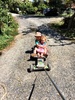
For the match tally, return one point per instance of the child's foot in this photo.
(42, 56)
(45, 55)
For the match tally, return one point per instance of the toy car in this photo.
(39, 64)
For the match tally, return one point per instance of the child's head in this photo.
(38, 36)
(43, 39)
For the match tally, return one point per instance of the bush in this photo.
(27, 8)
(41, 7)
(14, 6)
(5, 41)
(8, 28)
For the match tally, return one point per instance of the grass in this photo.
(67, 13)
(5, 41)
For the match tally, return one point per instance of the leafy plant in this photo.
(8, 28)
(5, 41)
(41, 7)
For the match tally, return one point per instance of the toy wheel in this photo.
(44, 58)
(49, 68)
(30, 69)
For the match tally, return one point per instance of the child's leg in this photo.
(35, 50)
(45, 51)
(34, 54)
(41, 55)
(38, 54)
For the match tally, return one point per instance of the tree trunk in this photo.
(70, 21)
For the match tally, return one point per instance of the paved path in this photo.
(16, 83)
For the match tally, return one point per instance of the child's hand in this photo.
(41, 46)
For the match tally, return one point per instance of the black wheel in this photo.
(44, 58)
(49, 68)
(30, 69)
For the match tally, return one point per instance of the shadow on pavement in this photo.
(45, 29)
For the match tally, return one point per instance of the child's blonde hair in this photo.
(43, 37)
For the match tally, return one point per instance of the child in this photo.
(37, 36)
(41, 48)
(37, 40)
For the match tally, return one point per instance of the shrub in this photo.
(41, 7)
(5, 41)
(8, 28)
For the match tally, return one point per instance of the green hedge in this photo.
(8, 28)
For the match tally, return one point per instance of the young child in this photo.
(38, 37)
(41, 48)
(37, 40)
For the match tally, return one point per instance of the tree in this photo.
(71, 20)
(55, 3)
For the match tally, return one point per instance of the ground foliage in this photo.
(8, 28)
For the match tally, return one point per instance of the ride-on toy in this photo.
(39, 64)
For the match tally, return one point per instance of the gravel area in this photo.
(16, 83)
